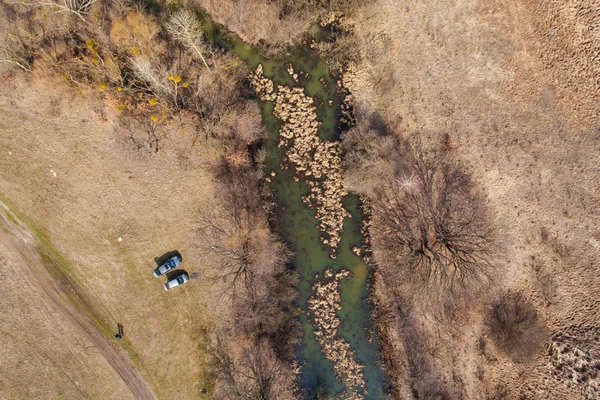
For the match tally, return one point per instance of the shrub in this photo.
(248, 371)
(499, 392)
(137, 34)
(371, 153)
(513, 323)
(301, 7)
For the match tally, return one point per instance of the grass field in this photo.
(513, 86)
(44, 354)
(108, 210)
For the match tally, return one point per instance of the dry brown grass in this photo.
(517, 108)
(68, 166)
(44, 354)
(127, 166)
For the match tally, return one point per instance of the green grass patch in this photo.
(10, 216)
(41, 235)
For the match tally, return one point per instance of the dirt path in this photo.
(58, 288)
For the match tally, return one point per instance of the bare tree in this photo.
(17, 56)
(229, 244)
(19, 41)
(249, 371)
(251, 275)
(75, 7)
(142, 132)
(155, 80)
(243, 256)
(430, 227)
(186, 29)
(236, 232)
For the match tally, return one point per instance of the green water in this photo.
(297, 224)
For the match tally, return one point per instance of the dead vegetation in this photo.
(433, 241)
(430, 229)
(575, 357)
(148, 65)
(425, 381)
(185, 28)
(108, 227)
(513, 323)
(277, 23)
(252, 372)
(469, 72)
(40, 336)
(252, 353)
(567, 36)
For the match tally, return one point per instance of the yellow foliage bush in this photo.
(137, 33)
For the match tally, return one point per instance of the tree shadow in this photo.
(378, 124)
(9, 11)
(163, 259)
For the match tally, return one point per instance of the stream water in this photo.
(297, 225)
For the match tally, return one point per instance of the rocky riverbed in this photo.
(323, 306)
(314, 160)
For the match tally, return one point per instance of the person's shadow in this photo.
(163, 259)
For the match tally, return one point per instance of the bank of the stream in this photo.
(339, 354)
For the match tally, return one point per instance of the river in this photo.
(337, 286)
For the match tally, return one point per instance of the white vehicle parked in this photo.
(177, 281)
(170, 264)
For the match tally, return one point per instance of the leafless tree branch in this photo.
(75, 7)
(430, 225)
(185, 28)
